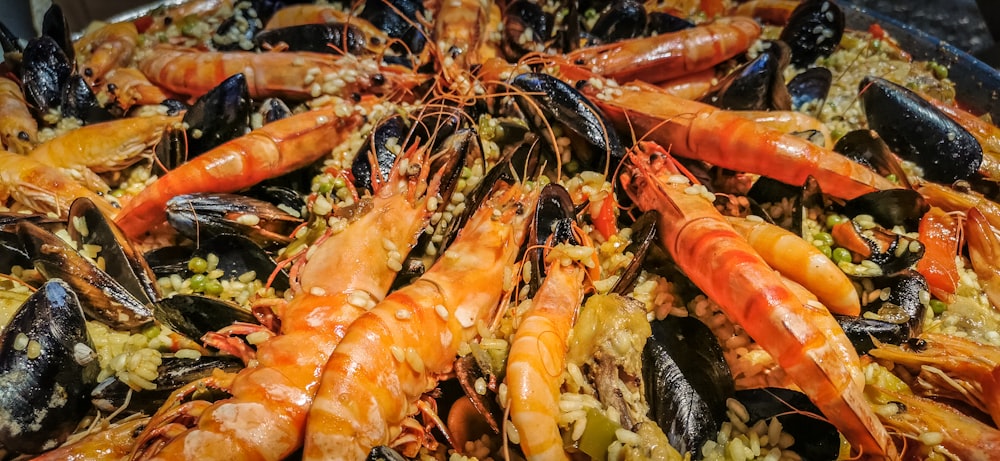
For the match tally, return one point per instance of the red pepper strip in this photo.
(605, 220)
(939, 234)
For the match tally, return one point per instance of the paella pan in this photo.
(478, 230)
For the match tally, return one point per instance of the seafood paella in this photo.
(523, 229)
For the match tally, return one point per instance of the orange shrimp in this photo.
(955, 200)
(395, 352)
(787, 121)
(114, 442)
(270, 151)
(127, 87)
(984, 253)
(102, 147)
(296, 75)
(666, 56)
(699, 131)
(806, 341)
(18, 128)
(459, 30)
(341, 278)
(690, 86)
(107, 47)
(802, 262)
(538, 356)
(769, 11)
(41, 187)
(968, 368)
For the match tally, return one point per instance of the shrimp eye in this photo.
(88, 72)
(900, 406)
(23, 136)
(917, 344)
(378, 79)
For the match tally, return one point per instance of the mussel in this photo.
(45, 70)
(112, 394)
(204, 215)
(815, 438)
(331, 38)
(756, 85)
(814, 30)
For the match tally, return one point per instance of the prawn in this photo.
(702, 132)
(108, 47)
(459, 31)
(788, 121)
(538, 356)
(394, 353)
(41, 187)
(128, 87)
(806, 341)
(18, 129)
(296, 75)
(340, 279)
(802, 262)
(267, 152)
(102, 147)
(671, 55)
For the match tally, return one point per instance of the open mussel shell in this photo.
(813, 84)
(889, 208)
(623, 19)
(195, 315)
(375, 156)
(815, 438)
(8, 41)
(867, 148)
(482, 408)
(47, 365)
(54, 25)
(237, 256)
(814, 30)
(45, 70)
(331, 38)
(643, 236)
(863, 332)
(384, 453)
(221, 114)
(122, 261)
(554, 208)
(399, 19)
(525, 27)
(687, 381)
(204, 215)
(786, 205)
(900, 299)
(101, 296)
(892, 252)
(79, 101)
(547, 97)
(917, 131)
(173, 373)
(756, 85)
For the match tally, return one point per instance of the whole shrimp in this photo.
(671, 55)
(699, 131)
(104, 48)
(41, 187)
(296, 75)
(394, 353)
(806, 341)
(537, 355)
(18, 128)
(270, 151)
(342, 277)
(101, 147)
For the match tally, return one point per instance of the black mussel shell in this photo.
(204, 215)
(399, 19)
(195, 315)
(662, 23)
(468, 371)
(286, 198)
(12, 252)
(687, 381)
(169, 260)
(221, 114)
(101, 296)
(867, 148)
(173, 373)
(384, 453)
(815, 438)
(376, 153)
(45, 70)
(125, 264)
(786, 205)
(553, 210)
(811, 85)
(8, 41)
(236, 32)
(644, 234)
(331, 38)
(78, 101)
(917, 131)
(54, 25)
(860, 332)
(522, 19)
(892, 252)
(174, 106)
(903, 303)
(273, 109)
(436, 124)
(622, 20)
(892, 207)
(237, 256)
(561, 102)
(756, 85)
(44, 397)
(814, 30)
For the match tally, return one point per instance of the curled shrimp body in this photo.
(802, 262)
(102, 147)
(342, 278)
(395, 352)
(41, 187)
(671, 55)
(538, 356)
(270, 151)
(699, 131)
(108, 47)
(806, 341)
(18, 129)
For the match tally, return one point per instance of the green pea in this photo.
(152, 331)
(198, 265)
(938, 306)
(339, 182)
(198, 282)
(826, 250)
(841, 255)
(891, 177)
(834, 219)
(824, 238)
(118, 193)
(213, 287)
(940, 71)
